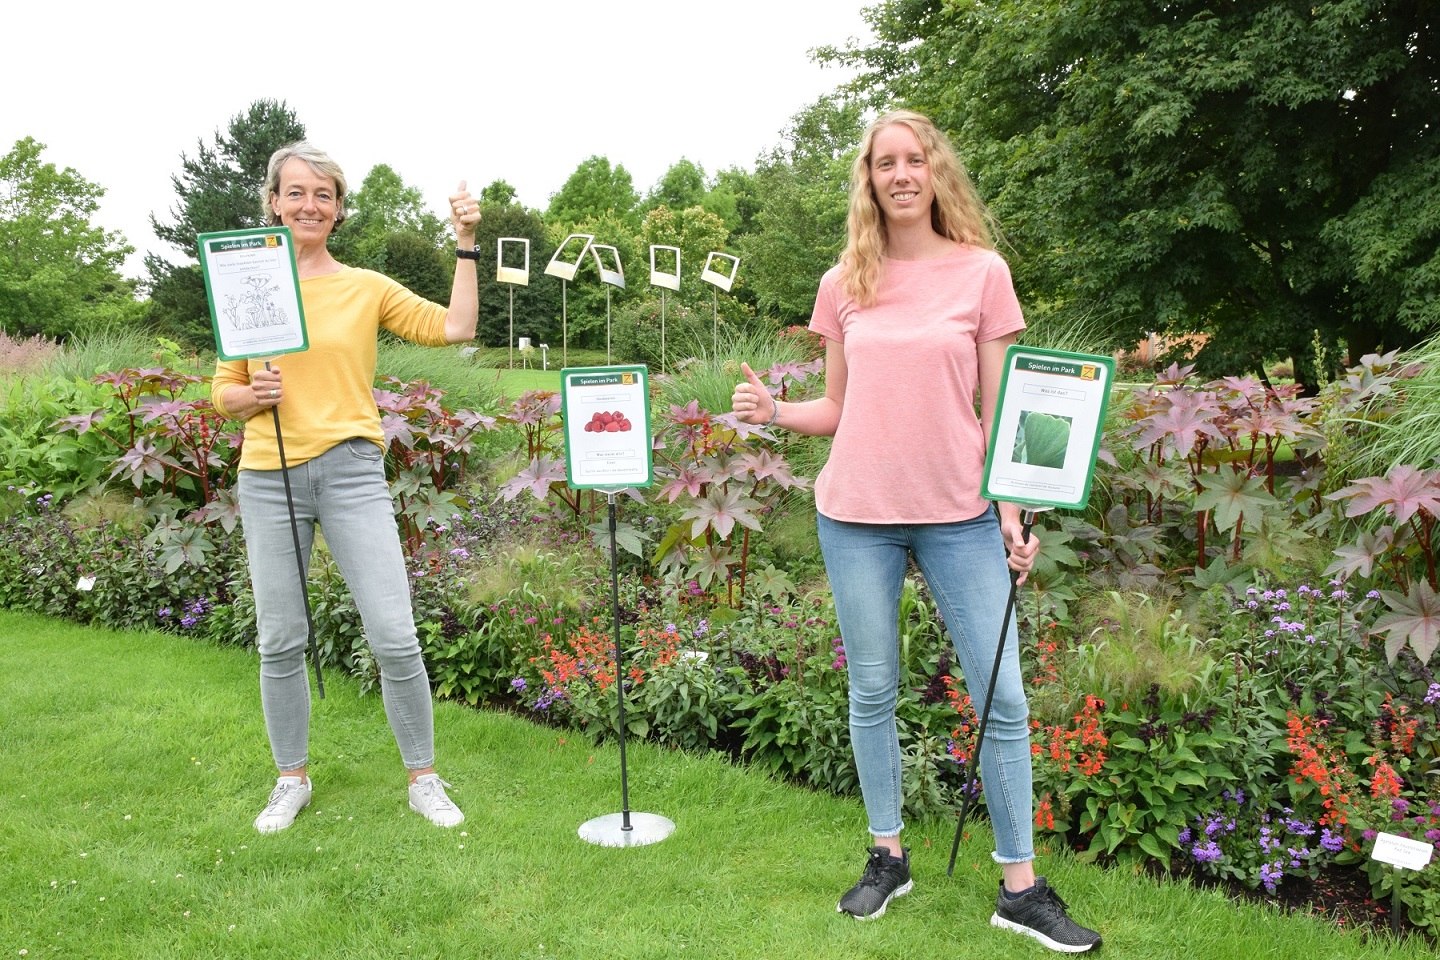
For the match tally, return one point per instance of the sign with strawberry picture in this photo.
(606, 413)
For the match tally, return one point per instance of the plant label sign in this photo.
(1401, 851)
(606, 412)
(253, 288)
(1047, 428)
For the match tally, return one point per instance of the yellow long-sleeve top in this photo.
(328, 396)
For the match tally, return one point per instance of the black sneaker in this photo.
(1041, 914)
(885, 878)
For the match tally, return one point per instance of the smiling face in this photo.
(305, 201)
(900, 176)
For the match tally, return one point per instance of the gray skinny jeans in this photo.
(344, 491)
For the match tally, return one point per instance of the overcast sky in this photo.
(118, 91)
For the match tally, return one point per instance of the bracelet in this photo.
(464, 254)
(774, 413)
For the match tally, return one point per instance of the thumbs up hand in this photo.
(751, 402)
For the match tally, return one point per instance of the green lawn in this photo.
(135, 762)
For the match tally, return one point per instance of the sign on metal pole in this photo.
(606, 412)
(253, 287)
(1048, 423)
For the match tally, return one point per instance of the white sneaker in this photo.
(290, 796)
(427, 798)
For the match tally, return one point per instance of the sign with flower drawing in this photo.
(254, 292)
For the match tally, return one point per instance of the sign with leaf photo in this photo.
(1047, 427)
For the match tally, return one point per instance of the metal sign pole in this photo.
(969, 785)
(299, 557)
(623, 829)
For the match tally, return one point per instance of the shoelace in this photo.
(434, 791)
(1051, 903)
(278, 795)
(874, 869)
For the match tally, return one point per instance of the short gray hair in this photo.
(319, 162)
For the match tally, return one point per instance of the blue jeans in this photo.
(964, 566)
(344, 491)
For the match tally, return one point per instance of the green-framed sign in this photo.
(1048, 423)
(606, 411)
(253, 287)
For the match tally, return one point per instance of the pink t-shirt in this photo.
(909, 447)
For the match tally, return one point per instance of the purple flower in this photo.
(1207, 852)
(1432, 695)
(1331, 841)
(1300, 828)
(1271, 874)
(518, 684)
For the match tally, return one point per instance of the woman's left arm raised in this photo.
(464, 312)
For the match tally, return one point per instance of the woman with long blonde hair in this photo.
(917, 316)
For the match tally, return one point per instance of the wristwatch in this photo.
(464, 254)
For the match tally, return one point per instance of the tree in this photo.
(801, 195)
(1264, 173)
(537, 303)
(593, 189)
(683, 185)
(734, 198)
(384, 206)
(693, 308)
(59, 274)
(219, 189)
(498, 194)
(413, 260)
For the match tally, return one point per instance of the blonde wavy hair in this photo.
(957, 213)
(319, 162)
